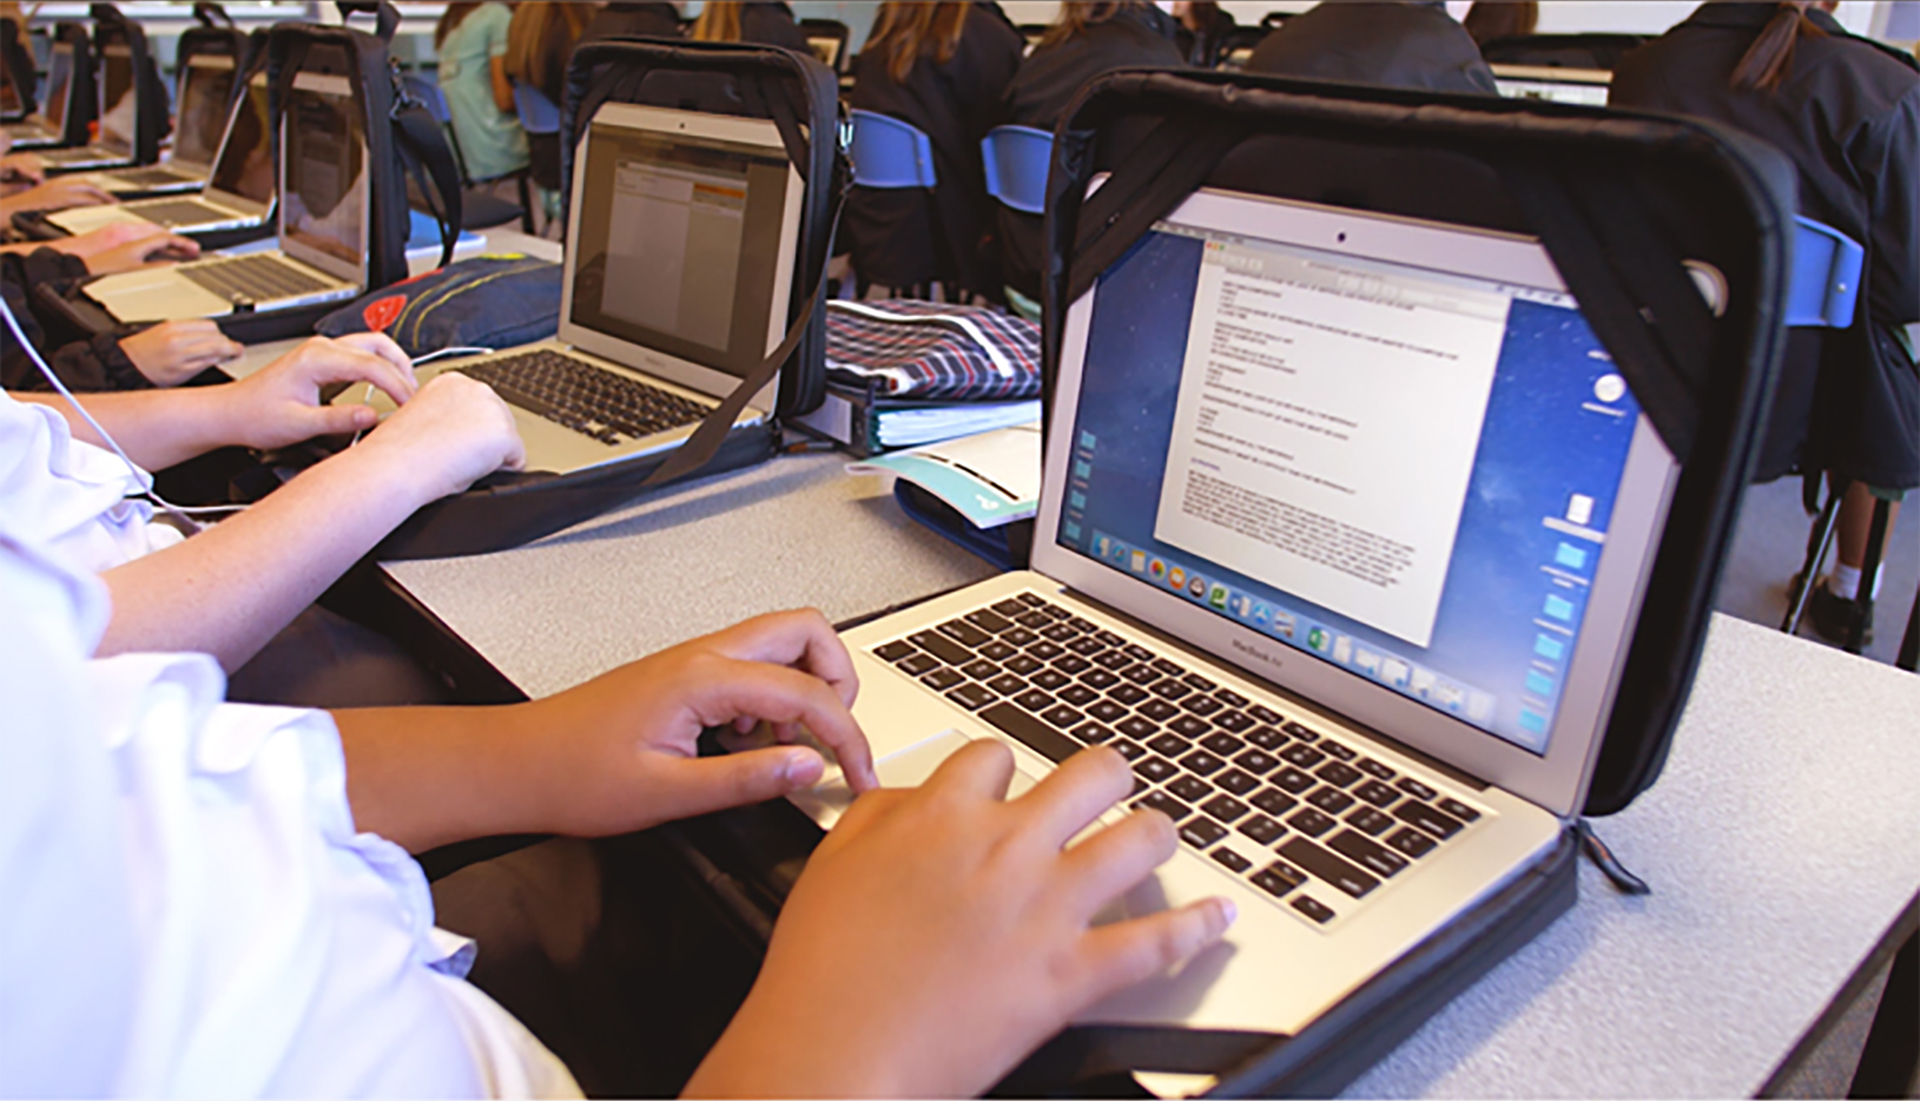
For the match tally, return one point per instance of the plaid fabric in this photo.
(916, 349)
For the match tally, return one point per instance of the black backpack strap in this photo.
(386, 17)
(423, 146)
(700, 447)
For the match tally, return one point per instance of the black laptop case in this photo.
(800, 96)
(1621, 201)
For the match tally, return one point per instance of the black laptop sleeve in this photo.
(83, 97)
(1624, 203)
(152, 120)
(800, 96)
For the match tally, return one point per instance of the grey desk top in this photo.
(1782, 840)
(793, 532)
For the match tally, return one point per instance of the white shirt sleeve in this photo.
(189, 909)
(71, 497)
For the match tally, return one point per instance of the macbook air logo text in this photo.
(1270, 658)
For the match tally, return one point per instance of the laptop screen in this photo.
(1402, 471)
(245, 167)
(59, 83)
(206, 90)
(679, 244)
(117, 97)
(325, 161)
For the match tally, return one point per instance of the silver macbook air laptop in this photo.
(49, 127)
(238, 195)
(680, 258)
(323, 226)
(120, 107)
(206, 99)
(1345, 525)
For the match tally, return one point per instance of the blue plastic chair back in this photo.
(1826, 276)
(890, 153)
(537, 113)
(1016, 159)
(430, 96)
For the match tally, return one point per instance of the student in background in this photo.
(649, 20)
(759, 23)
(471, 40)
(1086, 40)
(941, 67)
(1399, 43)
(161, 355)
(1488, 20)
(540, 41)
(1847, 112)
(1203, 26)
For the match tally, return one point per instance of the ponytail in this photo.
(1767, 62)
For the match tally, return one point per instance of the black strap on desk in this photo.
(700, 447)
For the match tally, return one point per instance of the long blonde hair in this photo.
(909, 30)
(533, 27)
(719, 21)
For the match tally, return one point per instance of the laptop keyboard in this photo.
(257, 278)
(150, 177)
(1312, 822)
(180, 212)
(588, 399)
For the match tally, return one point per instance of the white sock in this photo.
(1845, 582)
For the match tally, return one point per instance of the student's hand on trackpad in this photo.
(948, 931)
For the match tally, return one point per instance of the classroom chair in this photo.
(889, 153)
(479, 209)
(1017, 158)
(1823, 291)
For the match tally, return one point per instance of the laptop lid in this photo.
(59, 84)
(680, 251)
(1380, 463)
(206, 94)
(242, 173)
(323, 169)
(119, 99)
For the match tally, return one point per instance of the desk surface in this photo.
(1774, 873)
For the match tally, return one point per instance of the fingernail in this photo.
(1228, 911)
(803, 767)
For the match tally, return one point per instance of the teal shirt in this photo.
(491, 141)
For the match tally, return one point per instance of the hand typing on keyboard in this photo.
(951, 931)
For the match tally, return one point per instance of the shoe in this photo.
(1832, 616)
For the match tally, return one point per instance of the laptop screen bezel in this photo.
(233, 199)
(114, 49)
(331, 85)
(65, 95)
(692, 124)
(198, 63)
(1556, 780)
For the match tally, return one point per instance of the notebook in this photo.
(118, 119)
(238, 194)
(1343, 529)
(680, 259)
(323, 223)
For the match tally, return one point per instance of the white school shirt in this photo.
(185, 906)
(71, 497)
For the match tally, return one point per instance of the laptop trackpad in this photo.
(903, 768)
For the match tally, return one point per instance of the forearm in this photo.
(422, 777)
(156, 428)
(231, 588)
